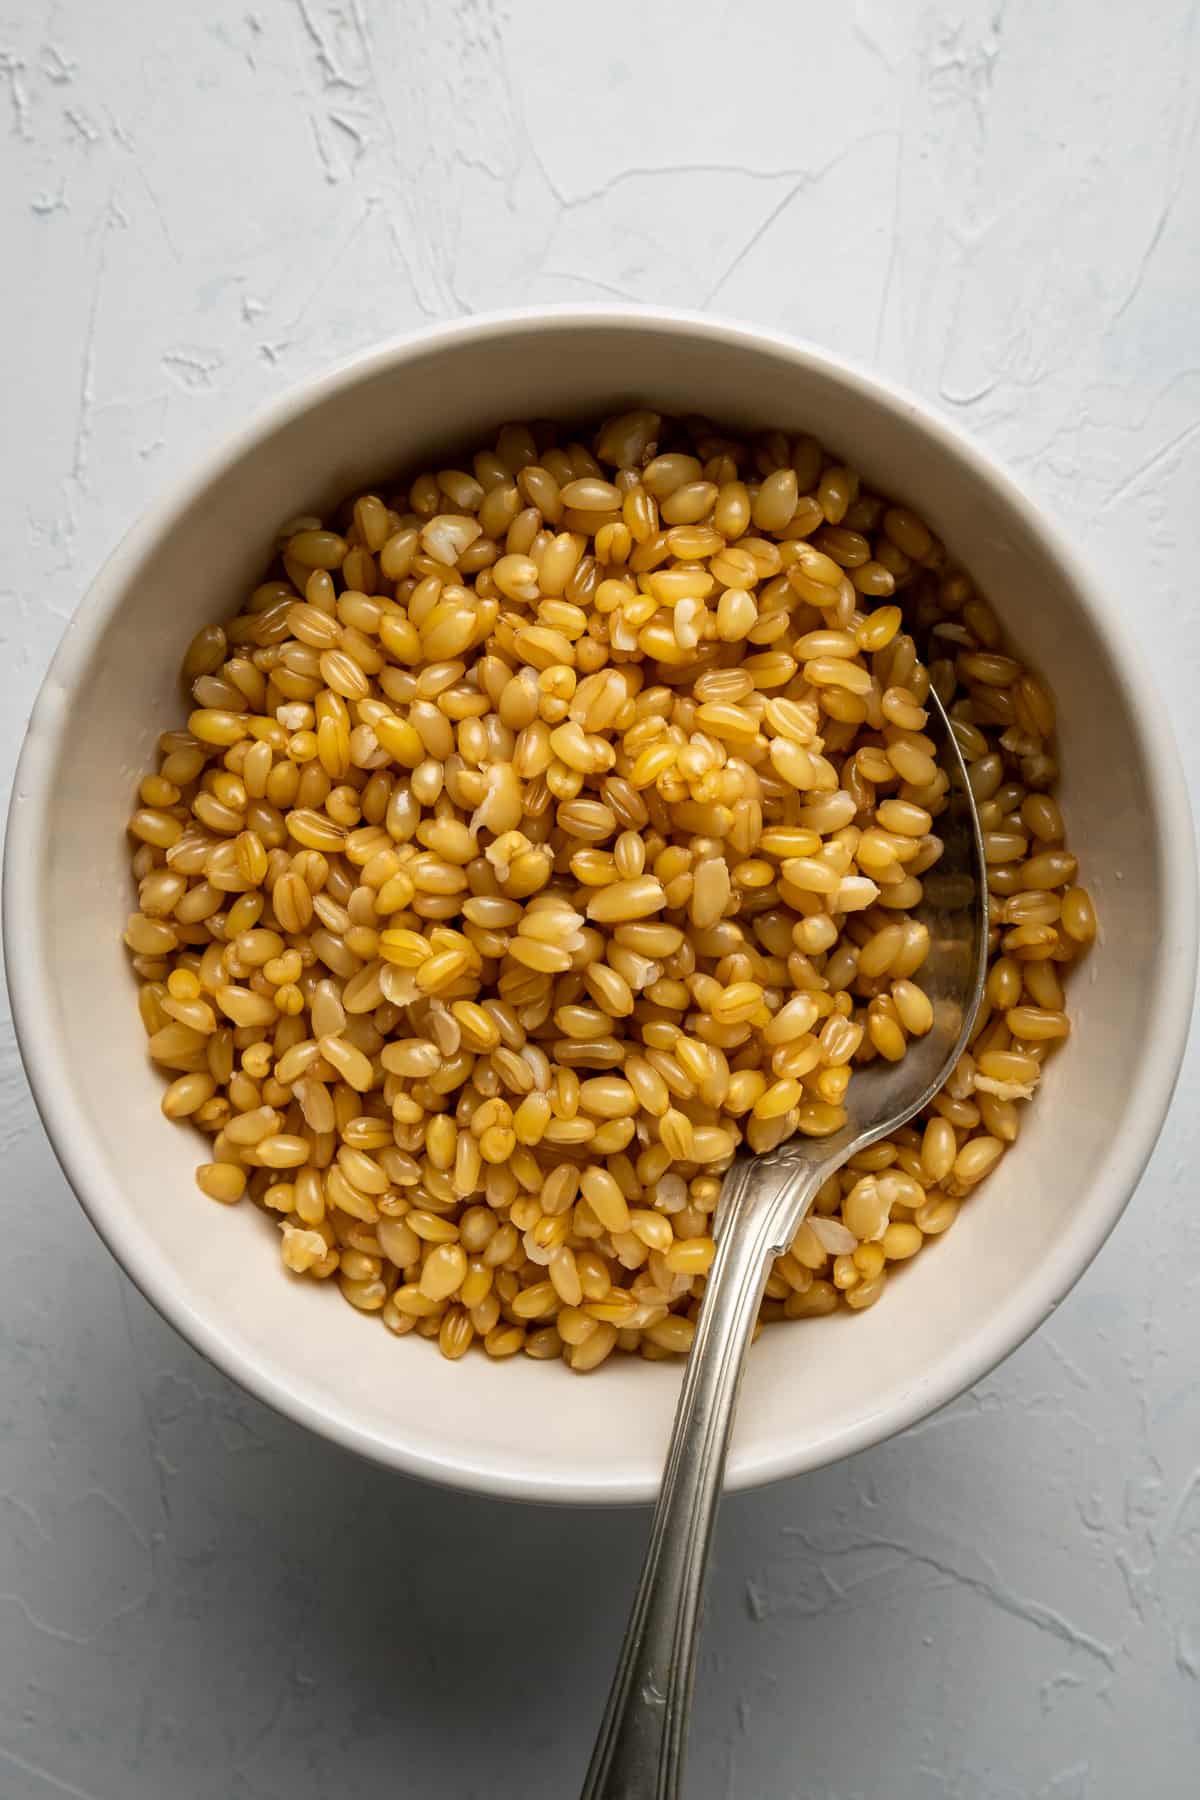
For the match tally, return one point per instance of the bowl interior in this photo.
(812, 1391)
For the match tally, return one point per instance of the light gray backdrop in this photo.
(201, 203)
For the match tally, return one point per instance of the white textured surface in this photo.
(200, 204)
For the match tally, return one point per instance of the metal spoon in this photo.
(640, 1748)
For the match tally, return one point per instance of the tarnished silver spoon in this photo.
(640, 1748)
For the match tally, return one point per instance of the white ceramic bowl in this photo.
(526, 1429)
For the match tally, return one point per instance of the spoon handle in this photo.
(640, 1747)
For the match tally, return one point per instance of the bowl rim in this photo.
(43, 1056)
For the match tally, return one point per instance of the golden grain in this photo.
(522, 857)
